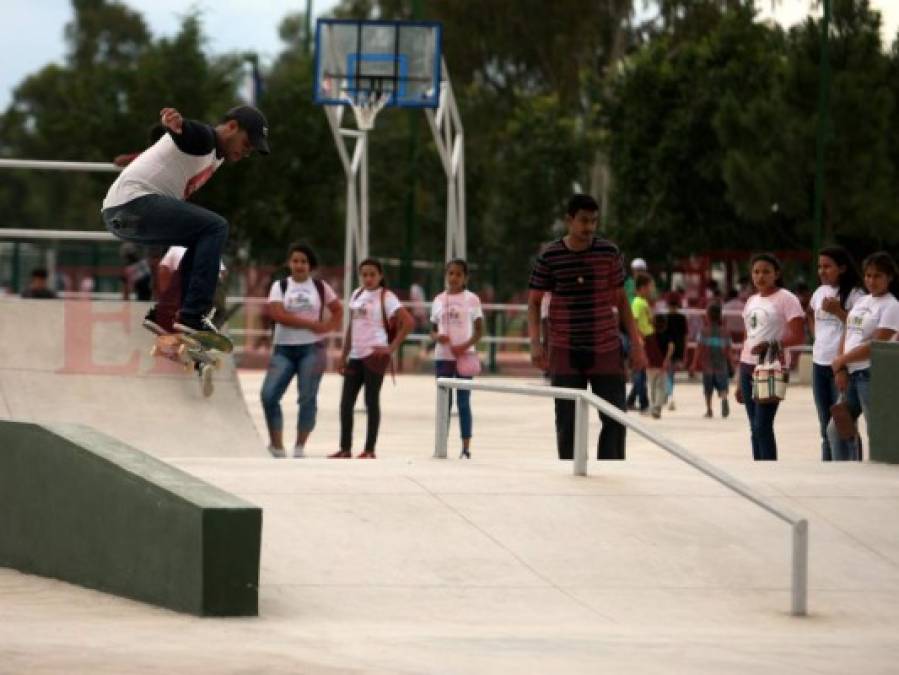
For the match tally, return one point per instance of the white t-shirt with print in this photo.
(766, 319)
(869, 314)
(828, 328)
(300, 299)
(454, 315)
(368, 320)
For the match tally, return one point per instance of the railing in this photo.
(584, 400)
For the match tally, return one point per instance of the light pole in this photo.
(823, 125)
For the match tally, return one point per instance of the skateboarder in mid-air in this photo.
(146, 204)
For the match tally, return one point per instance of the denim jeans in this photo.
(448, 369)
(824, 389)
(761, 418)
(307, 362)
(154, 219)
(639, 391)
(858, 396)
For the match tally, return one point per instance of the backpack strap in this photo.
(320, 287)
(283, 284)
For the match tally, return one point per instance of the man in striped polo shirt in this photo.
(588, 310)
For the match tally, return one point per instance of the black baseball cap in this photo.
(252, 121)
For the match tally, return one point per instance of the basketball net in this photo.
(366, 106)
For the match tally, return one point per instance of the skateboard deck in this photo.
(193, 352)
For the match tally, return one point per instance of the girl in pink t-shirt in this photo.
(458, 324)
(773, 317)
(375, 313)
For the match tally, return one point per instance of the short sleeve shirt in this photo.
(454, 315)
(368, 320)
(766, 319)
(584, 287)
(300, 299)
(869, 314)
(828, 327)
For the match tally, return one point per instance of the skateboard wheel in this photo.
(153, 350)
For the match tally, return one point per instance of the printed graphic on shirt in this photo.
(198, 181)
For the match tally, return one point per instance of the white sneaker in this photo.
(299, 452)
(277, 453)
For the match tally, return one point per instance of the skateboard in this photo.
(193, 352)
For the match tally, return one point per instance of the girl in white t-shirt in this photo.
(457, 326)
(297, 305)
(367, 352)
(773, 317)
(830, 303)
(873, 317)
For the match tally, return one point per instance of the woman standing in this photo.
(296, 305)
(828, 308)
(873, 317)
(367, 353)
(457, 326)
(773, 319)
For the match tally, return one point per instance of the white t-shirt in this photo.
(163, 169)
(766, 319)
(368, 321)
(454, 315)
(828, 328)
(869, 314)
(172, 258)
(302, 300)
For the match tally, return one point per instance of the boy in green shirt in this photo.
(642, 312)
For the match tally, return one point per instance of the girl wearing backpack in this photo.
(378, 326)
(457, 326)
(296, 305)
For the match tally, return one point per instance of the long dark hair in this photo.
(850, 279)
(772, 260)
(884, 263)
(374, 262)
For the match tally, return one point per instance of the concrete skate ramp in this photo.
(84, 362)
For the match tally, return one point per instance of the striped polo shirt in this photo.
(584, 286)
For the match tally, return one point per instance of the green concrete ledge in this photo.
(80, 506)
(883, 427)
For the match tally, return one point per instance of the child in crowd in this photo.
(457, 325)
(642, 311)
(297, 307)
(873, 317)
(659, 350)
(827, 311)
(774, 319)
(713, 359)
(368, 348)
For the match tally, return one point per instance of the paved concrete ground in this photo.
(508, 563)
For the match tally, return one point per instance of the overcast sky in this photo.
(31, 31)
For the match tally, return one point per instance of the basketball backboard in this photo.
(358, 62)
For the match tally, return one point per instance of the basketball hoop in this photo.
(366, 106)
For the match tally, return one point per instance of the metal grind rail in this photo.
(583, 401)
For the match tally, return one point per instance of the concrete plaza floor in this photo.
(508, 563)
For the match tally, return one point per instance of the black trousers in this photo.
(577, 370)
(356, 376)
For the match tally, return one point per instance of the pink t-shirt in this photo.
(766, 320)
(454, 314)
(368, 320)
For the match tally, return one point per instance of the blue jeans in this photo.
(639, 391)
(761, 418)
(307, 362)
(154, 219)
(824, 389)
(858, 396)
(448, 369)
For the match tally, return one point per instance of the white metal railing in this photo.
(53, 165)
(583, 401)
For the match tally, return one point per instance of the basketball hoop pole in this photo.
(449, 137)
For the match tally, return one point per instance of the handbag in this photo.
(468, 364)
(843, 419)
(769, 379)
